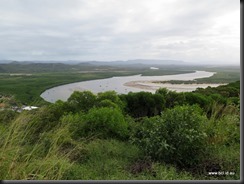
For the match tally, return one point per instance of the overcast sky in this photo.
(189, 30)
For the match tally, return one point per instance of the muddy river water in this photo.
(125, 84)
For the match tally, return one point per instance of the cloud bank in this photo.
(189, 30)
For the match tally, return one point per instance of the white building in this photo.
(28, 108)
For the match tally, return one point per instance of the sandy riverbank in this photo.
(151, 85)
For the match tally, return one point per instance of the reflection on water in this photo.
(118, 84)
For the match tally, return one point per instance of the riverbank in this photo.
(126, 84)
(152, 85)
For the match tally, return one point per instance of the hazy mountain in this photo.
(5, 61)
(157, 62)
(137, 61)
(110, 63)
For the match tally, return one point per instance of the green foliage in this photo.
(27, 81)
(7, 101)
(107, 103)
(111, 96)
(143, 104)
(27, 89)
(163, 91)
(114, 160)
(104, 159)
(207, 98)
(43, 119)
(199, 99)
(76, 122)
(229, 90)
(6, 116)
(224, 131)
(217, 111)
(222, 76)
(234, 100)
(223, 137)
(87, 136)
(104, 122)
(86, 100)
(82, 101)
(175, 137)
(171, 98)
(20, 160)
(217, 98)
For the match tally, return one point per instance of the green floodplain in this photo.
(27, 81)
(135, 136)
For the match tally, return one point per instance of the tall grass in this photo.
(218, 110)
(223, 130)
(21, 161)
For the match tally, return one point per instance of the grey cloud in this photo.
(117, 29)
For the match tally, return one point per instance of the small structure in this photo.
(153, 68)
(28, 108)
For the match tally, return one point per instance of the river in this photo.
(125, 84)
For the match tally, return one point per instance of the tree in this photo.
(107, 103)
(82, 101)
(112, 97)
(172, 98)
(177, 136)
(104, 122)
(197, 98)
(143, 104)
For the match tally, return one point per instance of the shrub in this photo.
(82, 101)
(224, 131)
(143, 104)
(107, 103)
(110, 96)
(105, 160)
(6, 116)
(175, 137)
(196, 98)
(103, 122)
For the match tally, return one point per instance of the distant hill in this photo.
(157, 62)
(33, 67)
(5, 61)
(110, 63)
(136, 62)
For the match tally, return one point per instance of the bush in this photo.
(6, 116)
(103, 122)
(196, 98)
(172, 98)
(82, 101)
(107, 103)
(143, 104)
(110, 96)
(105, 160)
(224, 131)
(176, 137)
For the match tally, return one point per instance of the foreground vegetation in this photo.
(138, 136)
